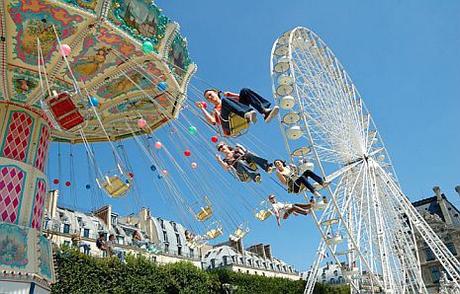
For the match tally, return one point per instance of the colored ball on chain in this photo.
(64, 50)
(194, 165)
(141, 123)
(159, 177)
(192, 130)
(67, 184)
(158, 145)
(56, 181)
(204, 105)
(162, 86)
(153, 168)
(147, 47)
(131, 175)
(164, 172)
(214, 139)
(93, 101)
(88, 186)
(187, 153)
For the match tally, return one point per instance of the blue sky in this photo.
(401, 55)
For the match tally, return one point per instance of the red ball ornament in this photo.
(204, 105)
(131, 175)
(187, 153)
(56, 181)
(214, 139)
(67, 184)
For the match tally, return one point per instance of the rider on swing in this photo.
(243, 161)
(226, 103)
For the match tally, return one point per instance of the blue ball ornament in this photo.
(93, 101)
(162, 86)
(88, 186)
(153, 168)
(159, 177)
(147, 47)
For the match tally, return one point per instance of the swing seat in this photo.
(204, 213)
(238, 234)
(237, 125)
(320, 205)
(115, 186)
(64, 111)
(263, 214)
(214, 233)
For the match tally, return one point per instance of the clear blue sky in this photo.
(402, 56)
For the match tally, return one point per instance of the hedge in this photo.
(79, 273)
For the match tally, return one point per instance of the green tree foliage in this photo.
(78, 273)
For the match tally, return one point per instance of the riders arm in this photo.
(222, 163)
(231, 95)
(281, 178)
(209, 118)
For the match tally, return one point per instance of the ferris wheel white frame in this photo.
(323, 108)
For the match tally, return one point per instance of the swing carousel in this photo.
(76, 72)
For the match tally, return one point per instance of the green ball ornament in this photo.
(147, 47)
(192, 130)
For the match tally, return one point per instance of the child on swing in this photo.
(241, 104)
(284, 210)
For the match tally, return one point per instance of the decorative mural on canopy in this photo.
(89, 5)
(24, 82)
(35, 19)
(178, 57)
(13, 246)
(45, 258)
(142, 19)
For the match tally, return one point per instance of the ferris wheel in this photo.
(368, 225)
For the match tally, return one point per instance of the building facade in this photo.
(444, 218)
(254, 260)
(163, 241)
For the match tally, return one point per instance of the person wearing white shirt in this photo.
(284, 210)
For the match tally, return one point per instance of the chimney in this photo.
(104, 214)
(268, 251)
(51, 203)
(457, 189)
(144, 213)
(442, 204)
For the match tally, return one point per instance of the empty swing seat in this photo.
(215, 229)
(334, 240)
(115, 186)
(65, 111)
(263, 214)
(204, 213)
(239, 234)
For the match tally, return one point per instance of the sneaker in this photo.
(271, 113)
(251, 116)
(257, 179)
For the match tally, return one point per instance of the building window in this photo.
(213, 263)
(166, 248)
(435, 274)
(332, 281)
(451, 248)
(192, 253)
(86, 233)
(429, 254)
(179, 250)
(114, 220)
(120, 240)
(178, 239)
(336, 273)
(66, 228)
(165, 236)
(174, 226)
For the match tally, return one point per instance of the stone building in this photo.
(254, 260)
(164, 240)
(444, 218)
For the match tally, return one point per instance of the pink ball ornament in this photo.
(64, 50)
(194, 165)
(141, 123)
(158, 145)
(67, 184)
(164, 172)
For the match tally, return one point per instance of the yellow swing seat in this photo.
(238, 125)
(239, 233)
(263, 214)
(115, 186)
(204, 213)
(215, 229)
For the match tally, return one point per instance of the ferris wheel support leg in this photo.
(24, 135)
(313, 276)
